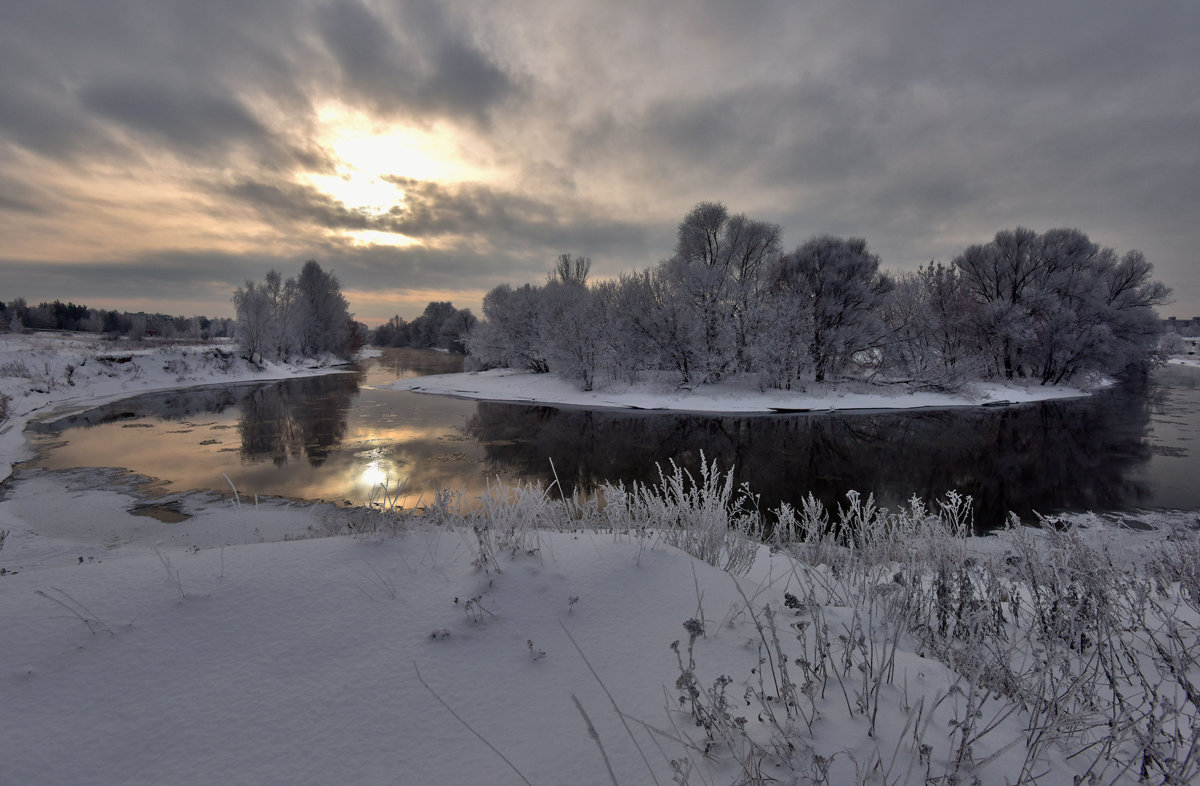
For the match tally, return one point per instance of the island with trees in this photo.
(1051, 308)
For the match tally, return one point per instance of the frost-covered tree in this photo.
(393, 333)
(780, 350)
(1056, 305)
(454, 329)
(1003, 277)
(254, 322)
(930, 320)
(650, 311)
(698, 278)
(718, 273)
(753, 247)
(626, 350)
(511, 331)
(283, 296)
(572, 331)
(839, 283)
(568, 269)
(322, 313)
(307, 316)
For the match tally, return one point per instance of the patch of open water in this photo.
(337, 438)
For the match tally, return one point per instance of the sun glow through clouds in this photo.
(370, 152)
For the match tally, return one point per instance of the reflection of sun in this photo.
(374, 474)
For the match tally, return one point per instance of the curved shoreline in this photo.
(71, 374)
(726, 398)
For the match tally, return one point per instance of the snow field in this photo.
(899, 651)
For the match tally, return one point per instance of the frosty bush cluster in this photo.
(1050, 307)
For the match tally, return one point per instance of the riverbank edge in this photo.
(728, 398)
(65, 385)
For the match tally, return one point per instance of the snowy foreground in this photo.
(531, 640)
(735, 396)
(443, 649)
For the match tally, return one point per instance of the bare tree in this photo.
(254, 327)
(570, 270)
(323, 315)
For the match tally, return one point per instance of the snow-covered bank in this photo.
(466, 646)
(62, 373)
(451, 649)
(520, 386)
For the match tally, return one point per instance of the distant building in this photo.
(1182, 327)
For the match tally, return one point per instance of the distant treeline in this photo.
(16, 315)
(1051, 307)
(307, 316)
(441, 326)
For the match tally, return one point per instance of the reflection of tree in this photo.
(303, 417)
(1044, 457)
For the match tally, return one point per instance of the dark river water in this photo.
(337, 437)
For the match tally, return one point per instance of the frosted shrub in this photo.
(1069, 665)
(700, 516)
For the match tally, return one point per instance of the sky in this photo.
(156, 154)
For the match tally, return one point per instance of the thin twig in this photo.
(458, 718)
(611, 700)
(595, 736)
(78, 609)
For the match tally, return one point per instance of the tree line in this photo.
(308, 316)
(16, 316)
(1051, 307)
(440, 326)
(304, 316)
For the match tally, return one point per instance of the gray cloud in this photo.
(299, 205)
(919, 125)
(505, 217)
(181, 117)
(412, 64)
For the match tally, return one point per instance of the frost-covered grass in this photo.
(882, 646)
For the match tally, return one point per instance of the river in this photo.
(338, 437)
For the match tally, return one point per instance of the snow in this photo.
(297, 662)
(239, 645)
(735, 396)
(46, 373)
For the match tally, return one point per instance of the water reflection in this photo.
(1045, 457)
(306, 418)
(337, 437)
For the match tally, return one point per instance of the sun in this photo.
(370, 152)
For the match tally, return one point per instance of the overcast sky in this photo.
(155, 154)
